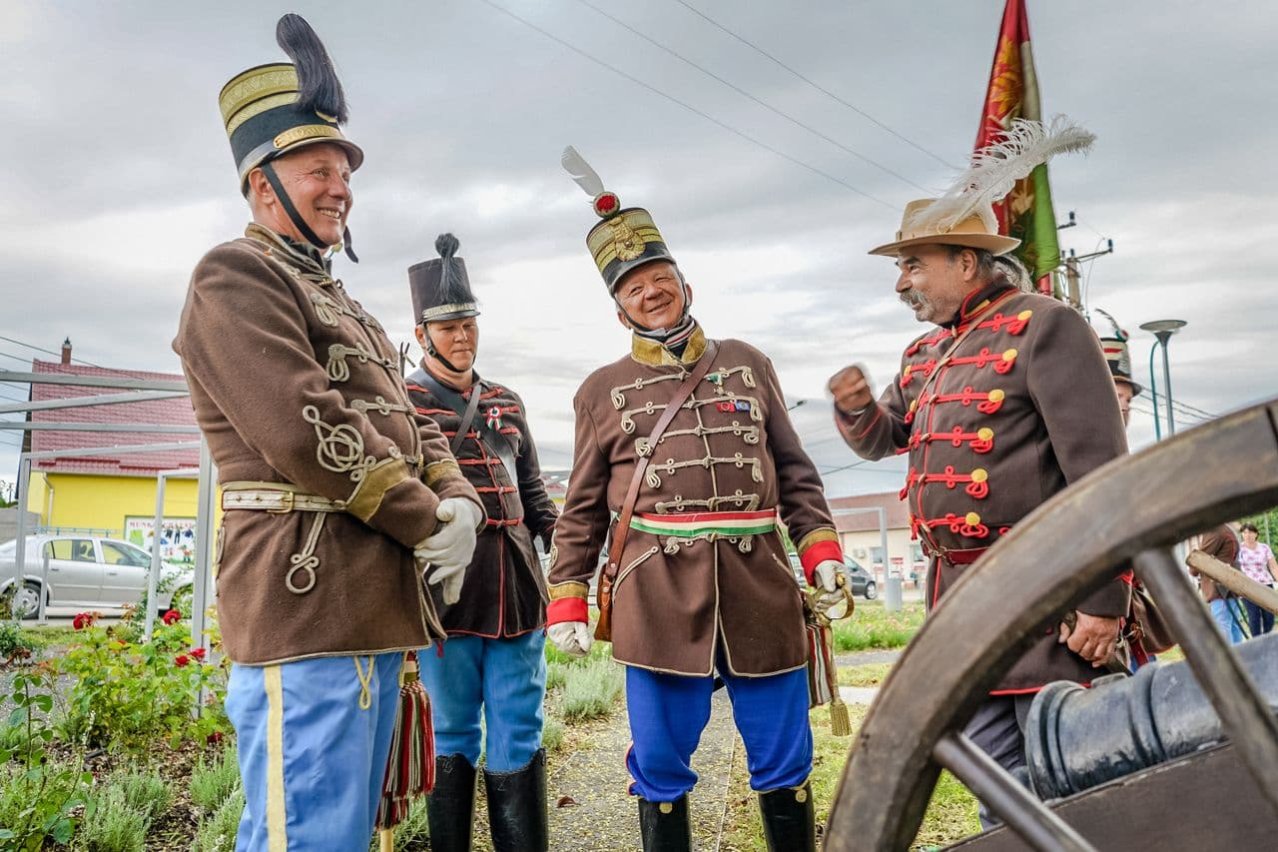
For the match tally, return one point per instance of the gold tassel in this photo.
(840, 724)
(387, 838)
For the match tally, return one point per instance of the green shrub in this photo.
(212, 783)
(15, 645)
(598, 651)
(556, 676)
(871, 626)
(413, 833)
(111, 825)
(145, 793)
(591, 690)
(217, 833)
(552, 734)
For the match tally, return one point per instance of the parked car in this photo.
(87, 571)
(863, 585)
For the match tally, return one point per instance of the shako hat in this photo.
(1117, 355)
(964, 214)
(626, 238)
(272, 109)
(440, 286)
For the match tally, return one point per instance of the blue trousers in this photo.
(1229, 617)
(314, 736)
(1259, 620)
(502, 679)
(669, 712)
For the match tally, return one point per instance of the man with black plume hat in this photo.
(493, 663)
(336, 493)
(699, 577)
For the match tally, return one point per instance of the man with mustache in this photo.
(1003, 402)
(493, 663)
(702, 585)
(335, 492)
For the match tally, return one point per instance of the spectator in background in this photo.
(1221, 543)
(1257, 561)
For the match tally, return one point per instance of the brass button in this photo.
(666, 807)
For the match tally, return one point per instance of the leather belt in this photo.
(277, 500)
(957, 556)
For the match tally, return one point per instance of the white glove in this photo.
(451, 547)
(571, 637)
(830, 579)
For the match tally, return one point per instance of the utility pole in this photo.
(1073, 274)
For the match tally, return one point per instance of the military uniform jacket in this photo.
(1024, 407)
(681, 594)
(297, 390)
(504, 593)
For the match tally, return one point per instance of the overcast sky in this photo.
(117, 175)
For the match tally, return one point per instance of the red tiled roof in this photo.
(170, 412)
(898, 517)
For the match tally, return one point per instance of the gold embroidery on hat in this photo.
(626, 243)
(306, 131)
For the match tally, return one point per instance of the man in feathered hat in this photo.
(702, 584)
(336, 493)
(493, 664)
(1002, 403)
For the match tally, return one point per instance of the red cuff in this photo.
(568, 609)
(817, 553)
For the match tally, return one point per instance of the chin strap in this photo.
(435, 353)
(296, 218)
(659, 334)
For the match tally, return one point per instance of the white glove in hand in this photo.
(830, 579)
(451, 547)
(571, 637)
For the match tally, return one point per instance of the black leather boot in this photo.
(664, 826)
(450, 807)
(517, 807)
(789, 822)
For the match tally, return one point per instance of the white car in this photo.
(87, 571)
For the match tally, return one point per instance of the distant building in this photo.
(110, 494)
(857, 522)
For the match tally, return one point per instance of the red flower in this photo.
(182, 660)
(214, 738)
(198, 653)
(84, 620)
(171, 617)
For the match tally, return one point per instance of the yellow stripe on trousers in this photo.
(276, 831)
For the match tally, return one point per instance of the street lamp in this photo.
(1163, 330)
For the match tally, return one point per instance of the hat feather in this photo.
(586, 177)
(320, 90)
(1119, 333)
(996, 168)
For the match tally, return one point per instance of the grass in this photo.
(111, 825)
(413, 833)
(145, 793)
(43, 638)
(217, 833)
(873, 627)
(869, 674)
(213, 782)
(591, 691)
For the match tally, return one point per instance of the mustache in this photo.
(913, 299)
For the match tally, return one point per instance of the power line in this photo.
(689, 107)
(46, 351)
(16, 357)
(814, 84)
(758, 101)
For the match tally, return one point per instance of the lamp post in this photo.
(1163, 330)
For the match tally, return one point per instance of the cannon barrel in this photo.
(1077, 738)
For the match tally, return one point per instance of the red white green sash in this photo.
(702, 524)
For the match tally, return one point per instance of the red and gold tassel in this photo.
(410, 769)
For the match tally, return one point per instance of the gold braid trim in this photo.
(822, 534)
(571, 589)
(437, 471)
(366, 499)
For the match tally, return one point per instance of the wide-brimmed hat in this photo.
(271, 110)
(440, 286)
(975, 231)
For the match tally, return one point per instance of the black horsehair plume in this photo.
(453, 287)
(321, 91)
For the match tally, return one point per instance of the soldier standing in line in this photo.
(335, 492)
(493, 663)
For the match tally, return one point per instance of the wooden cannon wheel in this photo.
(1136, 508)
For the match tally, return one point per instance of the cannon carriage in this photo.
(1188, 755)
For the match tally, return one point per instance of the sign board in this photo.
(177, 537)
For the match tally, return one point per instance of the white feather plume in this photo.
(586, 177)
(996, 168)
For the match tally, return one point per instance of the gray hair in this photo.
(1009, 268)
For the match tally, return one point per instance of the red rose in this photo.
(198, 653)
(171, 617)
(182, 660)
(84, 620)
(214, 738)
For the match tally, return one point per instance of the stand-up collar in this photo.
(978, 300)
(306, 256)
(654, 354)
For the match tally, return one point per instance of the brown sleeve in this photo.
(540, 511)
(1073, 391)
(880, 430)
(1220, 543)
(244, 340)
(583, 524)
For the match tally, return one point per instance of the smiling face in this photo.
(652, 295)
(934, 280)
(317, 179)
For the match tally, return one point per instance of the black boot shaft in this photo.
(789, 821)
(517, 807)
(450, 807)
(664, 826)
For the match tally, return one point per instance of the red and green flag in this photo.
(1026, 212)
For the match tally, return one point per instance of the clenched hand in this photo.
(851, 390)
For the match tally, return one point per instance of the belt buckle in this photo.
(286, 504)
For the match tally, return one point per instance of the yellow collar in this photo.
(653, 354)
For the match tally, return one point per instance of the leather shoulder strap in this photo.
(451, 398)
(685, 389)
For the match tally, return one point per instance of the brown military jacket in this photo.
(1025, 407)
(297, 389)
(504, 593)
(683, 590)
